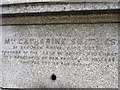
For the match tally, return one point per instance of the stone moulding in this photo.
(110, 16)
(59, 13)
(56, 7)
(31, 1)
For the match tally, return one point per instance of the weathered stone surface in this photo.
(80, 55)
(0, 56)
(57, 7)
(28, 1)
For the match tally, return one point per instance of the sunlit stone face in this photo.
(63, 55)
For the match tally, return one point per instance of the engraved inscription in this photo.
(90, 47)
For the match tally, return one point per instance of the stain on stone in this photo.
(53, 77)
